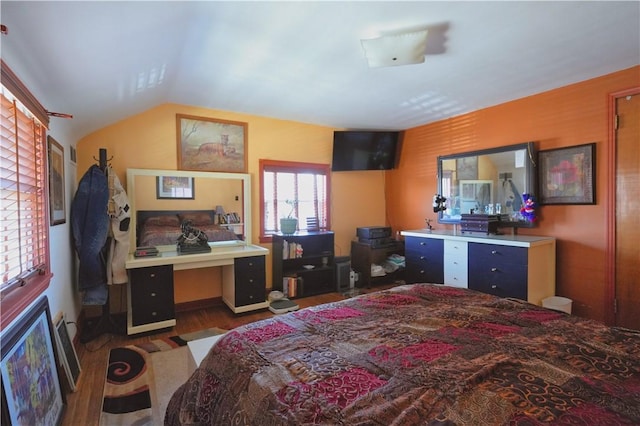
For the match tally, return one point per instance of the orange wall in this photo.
(571, 115)
(148, 141)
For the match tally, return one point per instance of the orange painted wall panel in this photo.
(567, 116)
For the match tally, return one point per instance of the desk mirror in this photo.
(489, 181)
(226, 197)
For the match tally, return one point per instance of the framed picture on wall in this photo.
(57, 211)
(211, 145)
(175, 187)
(567, 175)
(31, 391)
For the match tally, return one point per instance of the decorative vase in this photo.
(288, 225)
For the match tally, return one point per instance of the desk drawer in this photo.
(151, 294)
(250, 282)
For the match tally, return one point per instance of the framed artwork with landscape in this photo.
(57, 212)
(211, 145)
(31, 390)
(567, 175)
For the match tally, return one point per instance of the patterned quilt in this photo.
(417, 354)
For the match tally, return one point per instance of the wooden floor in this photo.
(84, 405)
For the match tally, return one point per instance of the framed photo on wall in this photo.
(57, 210)
(211, 145)
(29, 368)
(567, 175)
(175, 187)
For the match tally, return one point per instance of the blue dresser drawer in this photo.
(492, 253)
(424, 259)
(508, 280)
(498, 270)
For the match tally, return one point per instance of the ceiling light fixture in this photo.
(394, 49)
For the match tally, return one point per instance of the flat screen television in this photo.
(364, 150)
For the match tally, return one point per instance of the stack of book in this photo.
(291, 250)
(148, 251)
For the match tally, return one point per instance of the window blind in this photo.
(23, 233)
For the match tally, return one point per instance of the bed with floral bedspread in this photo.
(417, 354)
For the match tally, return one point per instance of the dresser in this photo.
(519, 266)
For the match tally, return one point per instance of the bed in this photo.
(162, 227)
(417, 354)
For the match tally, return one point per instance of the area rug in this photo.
(141, 379)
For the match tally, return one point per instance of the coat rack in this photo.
(106, 323)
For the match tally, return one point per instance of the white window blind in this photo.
(23, 221)
(306, 183)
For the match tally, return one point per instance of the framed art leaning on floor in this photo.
(31, 391)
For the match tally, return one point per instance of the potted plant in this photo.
(289, 224)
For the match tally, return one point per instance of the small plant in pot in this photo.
(289, 224)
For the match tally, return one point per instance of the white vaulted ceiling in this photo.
(303, 61)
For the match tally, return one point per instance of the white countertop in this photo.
(222, 253)
(506, 239)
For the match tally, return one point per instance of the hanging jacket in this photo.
(120, 217)
(90, 227)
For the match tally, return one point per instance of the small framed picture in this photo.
(175, 187)
(57, 209)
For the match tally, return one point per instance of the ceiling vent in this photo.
(394, 49)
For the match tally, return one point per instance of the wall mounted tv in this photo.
(364, 150)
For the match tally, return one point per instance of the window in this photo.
(282, 182)
(24, 231)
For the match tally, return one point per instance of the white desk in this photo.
(150, 290)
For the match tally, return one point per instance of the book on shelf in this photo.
(291, 250)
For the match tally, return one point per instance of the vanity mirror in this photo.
(489, 181)
(224, 199)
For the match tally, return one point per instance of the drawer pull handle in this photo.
(455, 263)
(494, 251)
(152, 275)
(422, 243)
(494, 269)
(421, 257)
(153, 314)
(250, 263)
(422, 271)
(493, 286)
(251, 280)
(153, 295)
